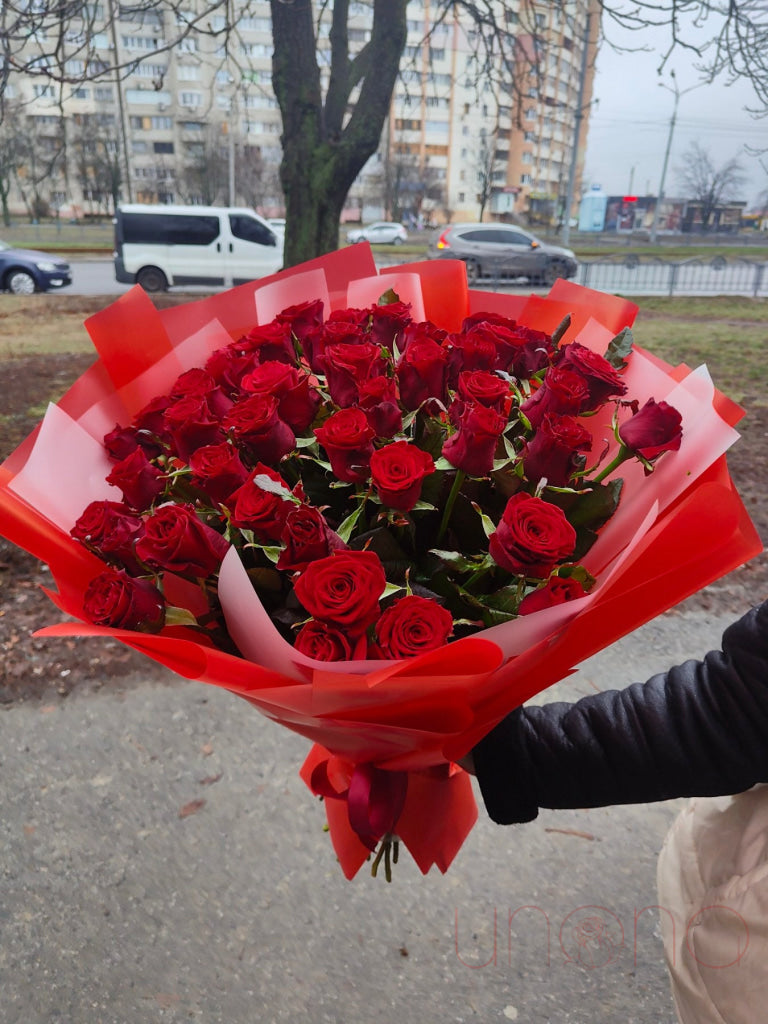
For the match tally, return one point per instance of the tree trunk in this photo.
(322, 155)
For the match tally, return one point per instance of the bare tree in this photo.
(486, 166)
(98, 160)
(205, 177)
(708, 184)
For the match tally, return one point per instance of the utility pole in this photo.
(566, 234)
(677, 94)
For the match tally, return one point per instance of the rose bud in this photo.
(138, 479)
(421, 373)
(228, 366)
(378, 399)
(150, 420)
(557, 590)
(532, 537)
(343, 590)
(487, 318)
(177, 541)
(472, 448)
(217, 470)
(118, 600)
(602, 380)
(192, 425)
(271, 341)
(397, 473)
(411, 626)
(302, 318)
(112, 529)
(199, 383)
(533, 351)
(388, 322)
(297, 400)
(655, 429)
(322, 642)
(347, 438)
(258, 429)
(123, 441)
(553, 452)
(347, 366)
(333, 332)
(563, 392)
(253, 508)
(306, 537)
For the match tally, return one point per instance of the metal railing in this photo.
(635, 275)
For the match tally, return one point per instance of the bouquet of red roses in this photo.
(377, 522)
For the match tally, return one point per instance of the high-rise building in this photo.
(198, 122)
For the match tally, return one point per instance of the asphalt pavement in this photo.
(162, 861)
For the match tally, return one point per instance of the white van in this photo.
(161, 246)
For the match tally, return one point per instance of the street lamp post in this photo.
(677, 94)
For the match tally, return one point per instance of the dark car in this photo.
(24, 271)
(502, 250)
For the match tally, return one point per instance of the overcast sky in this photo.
(629, 126)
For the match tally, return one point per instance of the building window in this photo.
(162, 147)
(104, 94)
(191, 99)
(525, 179)
(187, 72)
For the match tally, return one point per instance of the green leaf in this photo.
(392, 588)
(389, 296)
(488, 524)
(175, 616)
(461, 563)
(443, 464)
(347, 527)
(305, 442)
(266, 483)
(619, 349)
(596, 506)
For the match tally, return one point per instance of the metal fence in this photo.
(636, 275)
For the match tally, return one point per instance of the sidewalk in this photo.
(162, 861)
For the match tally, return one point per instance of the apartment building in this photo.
(198, 121)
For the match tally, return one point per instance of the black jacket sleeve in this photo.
(700, 729)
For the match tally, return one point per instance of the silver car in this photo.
(383, 233)
(502, 250)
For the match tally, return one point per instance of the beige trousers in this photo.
(713, 899)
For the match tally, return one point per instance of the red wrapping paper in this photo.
(414, 718)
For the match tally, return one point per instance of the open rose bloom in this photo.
(221, 508)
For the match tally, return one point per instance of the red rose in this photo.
(421, 372)
(557, 590)
(473, 446)
(397, 472)
(563, 392)
(532, 537)
(118, 600)
(333, 332)
(346, 437)
(199, 383)
(298, 401)
(486, 389)
(177, 541)
(303, 317)
(655, 429)
(423, 330)
(229, 365)
(218, 470)
(138, 479)
(192, 425)
(533, 351)
(347, 366)
(322, 642)
(253, 508)
(487, 318)
(268, 342)
(306, 537)
(150, 421)
(411, 626)
(553, 451)
(122, 441)
(112, 529)
(258, 429)
(378, 399)
(601, 378)
(388, 322)
(343, 590)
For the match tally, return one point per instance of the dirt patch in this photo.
(36, 667)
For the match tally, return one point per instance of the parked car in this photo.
(502, 250)
(383, 233)
(277, 224)
(159, 247)
(24, 271)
